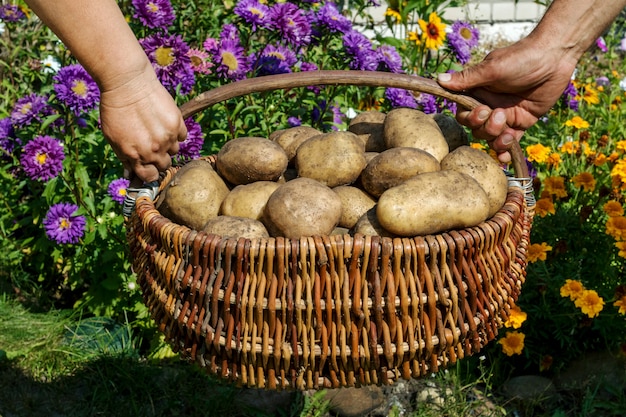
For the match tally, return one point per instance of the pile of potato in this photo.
(401, 173)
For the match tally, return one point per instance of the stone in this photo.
(270, 402)
(529, 388)
(593, 368)
(354, 402)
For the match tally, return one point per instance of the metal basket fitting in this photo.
(147, 190)
(526, 184)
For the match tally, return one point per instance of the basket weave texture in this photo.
(329, 311)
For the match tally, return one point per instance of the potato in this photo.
(194, 195)
(354, 202)
(248, 200)
(431, 203)
(334, 158)
(250, 159)
(368, 126)
(484, 169)
(394, 166)
(290, 139)
(302, 207)
(415, 129)
(455, 134)
(369, 225)
(235, 227)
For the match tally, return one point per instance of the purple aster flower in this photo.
(117, 189)
(32, 107)
(211, 45)
(275, 60)
(230, 32)
(308, 66)
(603, 81)
(155, 14)
(389, 59)
(601, 44)
(62, 226)
(252, 12)
(294, 121)
(532, 171)
(462, 38)
(168, 54)
(427, 102)
(7, 140)
(199, 61)
(290, 23)
(191, 146)
(76, 89)
(42, 158)
(6, 128)
(569, 97)
(319, 112)
(622, 44)
(359, 47)
(11, 13)
(230, 60)
(399, 97)
(329, 17)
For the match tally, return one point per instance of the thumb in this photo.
(467, 79)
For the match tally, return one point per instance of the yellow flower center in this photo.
(196, 61)
(277, 55)
(64, 223)
(230, 60)
(79, 88)
(41, 158)
(122, 191)
(164, 56)
(26, 108)
(256, 12)
(153, 7)
(465, 33)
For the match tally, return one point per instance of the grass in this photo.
(58, 364)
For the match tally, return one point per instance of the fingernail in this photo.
(499, 118)
(507, 139)
(483, 114)
(444, 76)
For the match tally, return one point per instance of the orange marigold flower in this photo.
(544, 206)
(616, 227)
(600, 159)
(570, 147)
(621, 305)
(538, 252)
(584, 180)
(512, 343)
(555, 186)
(538, 153)
(554, 159)
(621, 145)
(619, 170)
(516, 318)
(577, 122)
(590, 94)
(621, 245)
(478, 145)
(613, 208)
(613, 156)
(572, 289)
(590, 303)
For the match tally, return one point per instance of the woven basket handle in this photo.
(358, 78)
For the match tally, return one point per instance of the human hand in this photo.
(143, 125)
(520, 83)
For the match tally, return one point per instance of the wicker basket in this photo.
(329, 311)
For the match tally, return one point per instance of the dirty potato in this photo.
(368, 126)
(249, 159)
(248, 200)
(414, 128)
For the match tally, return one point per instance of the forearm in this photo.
(572, 26)
(98, 36)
